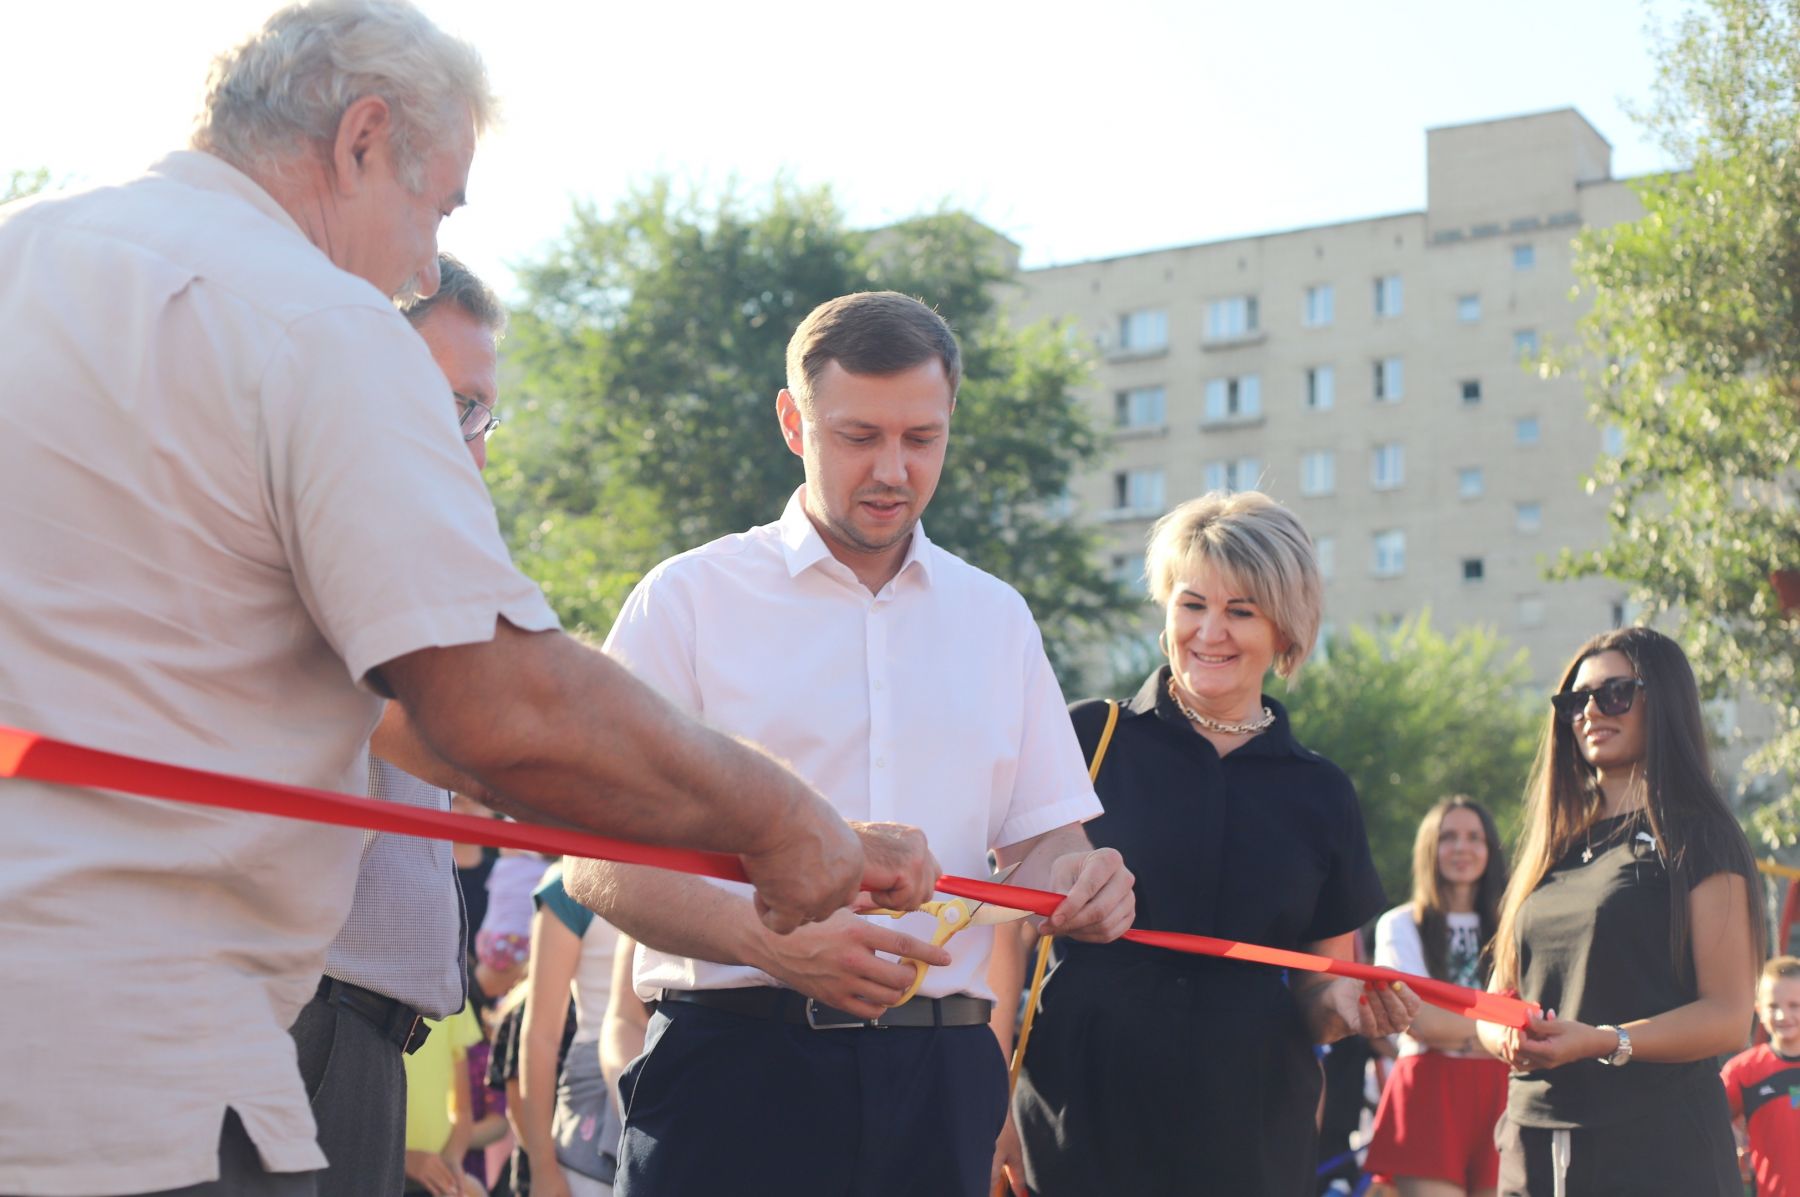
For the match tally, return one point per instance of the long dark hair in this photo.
(1428, 903)
(1683, 805)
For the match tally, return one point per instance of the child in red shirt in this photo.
(1763, 1085)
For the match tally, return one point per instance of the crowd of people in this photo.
(240, 536)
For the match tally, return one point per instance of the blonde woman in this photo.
(1152, 1072)
(1632, 920)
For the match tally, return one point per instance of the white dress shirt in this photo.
(929, 703)
(231, 485)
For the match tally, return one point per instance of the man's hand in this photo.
(835, 962)
(814, 868)
(1100, 904)
(899, 871)
(428, 1169)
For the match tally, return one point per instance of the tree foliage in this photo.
(1695, 329)
(1412, 717)
(21, 183)
(643, 369)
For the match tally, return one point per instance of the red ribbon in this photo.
(33, 757)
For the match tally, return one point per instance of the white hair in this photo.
(290, 83)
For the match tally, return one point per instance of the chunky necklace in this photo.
(1248, 728)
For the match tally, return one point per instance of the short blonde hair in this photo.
(288, 85)
(1260, 545)
(1781, 968)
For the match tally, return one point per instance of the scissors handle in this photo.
(952, 916)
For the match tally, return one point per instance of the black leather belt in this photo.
(398, 1022)
(785, 1005)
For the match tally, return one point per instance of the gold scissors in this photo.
(952, 916)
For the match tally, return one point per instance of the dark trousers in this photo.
(1682, 1150)
(720, 1103)
(356, 1081)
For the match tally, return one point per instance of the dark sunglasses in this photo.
(1613, 696)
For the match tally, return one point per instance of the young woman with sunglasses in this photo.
(1434, 1132)
(1633, 921)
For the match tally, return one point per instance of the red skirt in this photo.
(1437, 1118)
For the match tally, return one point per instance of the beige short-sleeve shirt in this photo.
(230, 486)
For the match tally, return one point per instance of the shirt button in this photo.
(881, 762)
(878, 683)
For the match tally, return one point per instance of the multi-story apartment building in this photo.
(1376, 376)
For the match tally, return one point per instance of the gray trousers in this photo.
(356, 1081)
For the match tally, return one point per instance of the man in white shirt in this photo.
(908, 685)
(234, 515)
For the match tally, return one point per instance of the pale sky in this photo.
(1079, 130)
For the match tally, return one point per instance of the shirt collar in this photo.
(804, 548)
(208, 172)
(1153, 699)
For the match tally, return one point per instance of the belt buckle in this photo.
(812, 1018)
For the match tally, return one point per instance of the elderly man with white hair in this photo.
(235, 514)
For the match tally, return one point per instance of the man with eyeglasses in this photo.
(234, 519)
(399, 957)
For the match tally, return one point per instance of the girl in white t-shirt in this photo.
(1434, 1132)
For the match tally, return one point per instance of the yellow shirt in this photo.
(431, 1076)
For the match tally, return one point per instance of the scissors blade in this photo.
(986, 914)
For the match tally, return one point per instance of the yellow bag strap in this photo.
(1043, 948)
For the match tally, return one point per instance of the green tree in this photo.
(1695, 329)
(645, 362)
(1412, 717)
(21, 183)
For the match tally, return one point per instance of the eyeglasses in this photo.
(1613, 696)
(476, 418)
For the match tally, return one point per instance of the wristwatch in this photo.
(1621, 1054)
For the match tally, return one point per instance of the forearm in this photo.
(670, 912)
(1444, 1031)
(537, 1093)
(1037, 857)
(490, 1128)
(1697, 1031)
(549, 729)
(1006, 976)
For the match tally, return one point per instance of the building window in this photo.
(1322, 646)
(1144, 330)
(1531, 611)
(1528, 517)
(1140, 407)
(1471, 391)
(1612, 440)
(1525, 344)
(1390, 380)
(1524, 257)
(1473, 569)
(1228, 318)
(1321, 388)
(1127, 571)
(1316, 312)
(1325, 551)
(1388, 297)
(1468, 308)
(1525, 430)
(1242, 474)
(1469, 482)
(1318, 473)
(1389, 556)
(1387, 466)
(1138, 492)
(1233, 398)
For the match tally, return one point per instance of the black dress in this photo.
(1152, 1072)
